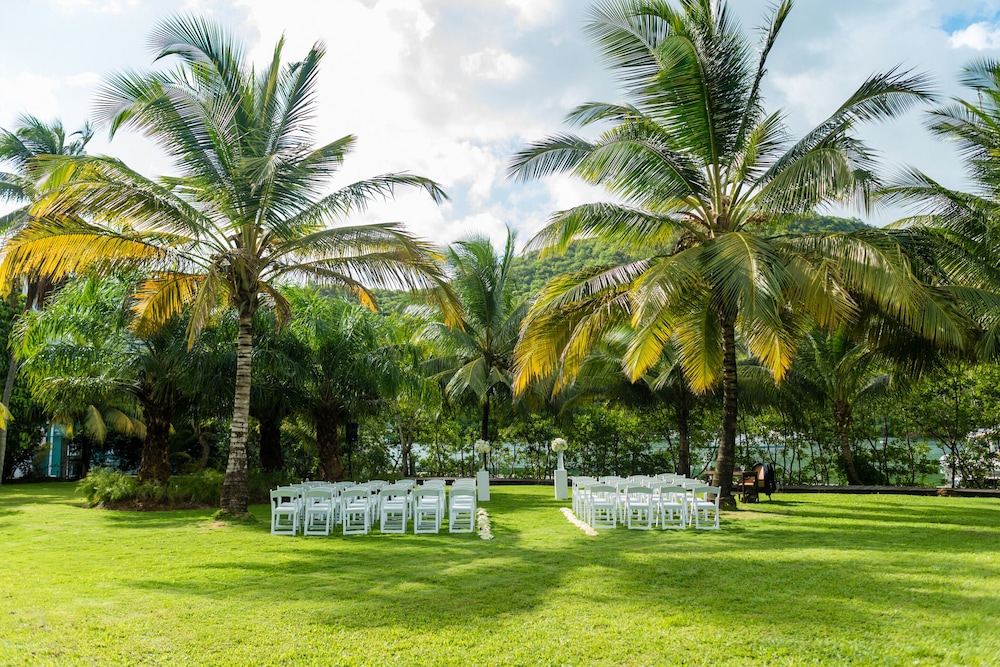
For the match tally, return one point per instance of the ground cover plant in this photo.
(805, 579)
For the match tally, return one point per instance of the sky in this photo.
(449, 89)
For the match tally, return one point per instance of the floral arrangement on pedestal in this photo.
(559, 445)
(482, 447)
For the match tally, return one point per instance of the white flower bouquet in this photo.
(559, 445)
(481, 447)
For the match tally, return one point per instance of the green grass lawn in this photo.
(804, 579)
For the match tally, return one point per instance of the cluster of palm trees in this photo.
(700, 170)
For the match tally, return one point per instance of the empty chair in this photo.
(356, 511)
(284, 511)
(705, 506)
(580, 493)
(602, 507)
(462, 509)
(672, 506)
(318, 513)
(639, 507)
(427, 510)
(393, 509)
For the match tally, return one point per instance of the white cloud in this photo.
(535, 12)
(99, 6)
(978, 36)
(493, 64)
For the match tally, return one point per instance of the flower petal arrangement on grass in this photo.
(483, 524)
(582, 525)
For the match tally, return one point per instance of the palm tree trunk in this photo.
(8, 389)
(842, 422)
(235, 487)
(331, 468)
(727, 446)
(155, 463)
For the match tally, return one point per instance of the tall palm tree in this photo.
(350, 366)
(476, 354)
(30, 138)
(701, 172)
(243, 212)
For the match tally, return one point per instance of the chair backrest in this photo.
(356, 492)
(406, 483)
(637, 492)
(598, 491)
(433, 484)
(319, 493)
(394, 491)
(461, 491)
(424, 492)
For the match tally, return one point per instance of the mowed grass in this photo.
(807, 579)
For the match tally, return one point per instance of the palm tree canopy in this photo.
(31, 138)
(701, 172)
(246, 208)
(476, 354)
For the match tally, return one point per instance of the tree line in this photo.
(707, 286)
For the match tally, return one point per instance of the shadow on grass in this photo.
(755, 569)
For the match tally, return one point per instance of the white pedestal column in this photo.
(562, 487)
(483, 485)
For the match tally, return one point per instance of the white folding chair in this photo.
(318, 502)
(603, 506)
(462, 510)
(639, 507)
(284, 512)
(705, 506)
(427, 510)
(671, 506)
(356, 510)
(393, 506)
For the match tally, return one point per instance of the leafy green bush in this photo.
(105, 486)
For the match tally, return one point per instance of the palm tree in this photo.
(84, 363)
(244, 211)
(349, 367)
(841, 374)
(30, 138)
(963, 226)
(476, 354)
(702, 173)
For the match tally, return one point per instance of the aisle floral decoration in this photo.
(483, 524)
(582, 525)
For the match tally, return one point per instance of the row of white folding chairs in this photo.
(317, 507)
(665, 504)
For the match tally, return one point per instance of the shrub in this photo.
(106, 486)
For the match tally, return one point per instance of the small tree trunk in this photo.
(235, 487)
(331, 468)
(8, 389)
(272, 459)
(683, 406)
(842, 422)
(155, 463)
(202, 443)
(484, 427)
(727, 446)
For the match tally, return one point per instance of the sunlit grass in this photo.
(805, 579)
